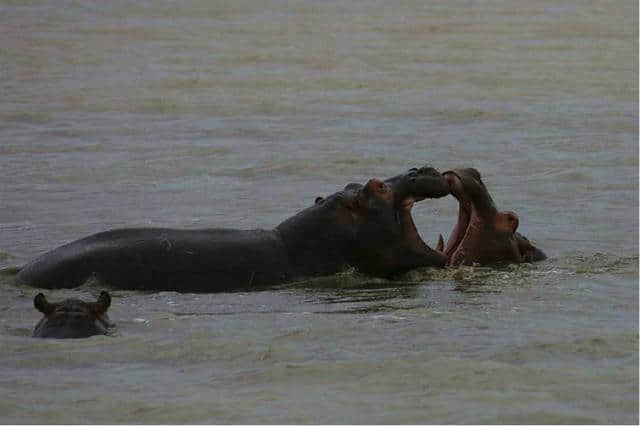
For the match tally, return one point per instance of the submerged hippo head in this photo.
(72, 318)
(483, 234)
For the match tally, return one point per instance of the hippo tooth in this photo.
(440, 245)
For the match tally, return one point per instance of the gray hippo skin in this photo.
(483, 235)
(367, 227)
(72, 318)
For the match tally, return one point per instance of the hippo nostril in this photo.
(512, 220)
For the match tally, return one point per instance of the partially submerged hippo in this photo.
(367, 227)
(72, 318)
(483, 235)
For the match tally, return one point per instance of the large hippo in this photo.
(483, 235)
(367, 227)
(72, 318)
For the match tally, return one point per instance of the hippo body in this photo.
(368, 227)
(159, 258)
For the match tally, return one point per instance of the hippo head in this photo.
(367, 226)
(483, 234)
(72, 318)
(387, 240)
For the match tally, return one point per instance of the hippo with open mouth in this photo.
(394, 245)
(483, 235)
(72, 318)
(367, 227)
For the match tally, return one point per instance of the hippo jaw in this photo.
(482, 234)
(418, 184)
(415, 185)
(410, 231)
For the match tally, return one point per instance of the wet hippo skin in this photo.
(368, 227)
(483, 234)
(72, 318)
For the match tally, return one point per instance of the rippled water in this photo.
(238, 114)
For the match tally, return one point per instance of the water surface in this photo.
(207, 114)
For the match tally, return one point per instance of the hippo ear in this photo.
(41, 304)
(101, 305)
(319, 200)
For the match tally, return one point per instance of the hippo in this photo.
(367, 227)
(483, 235)
(72, 318)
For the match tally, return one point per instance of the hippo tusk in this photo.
(440, 244)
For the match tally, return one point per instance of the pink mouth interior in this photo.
(408, 225)
(465, 211)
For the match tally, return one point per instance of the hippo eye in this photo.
(319, 200)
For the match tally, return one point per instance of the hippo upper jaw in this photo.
(418, 184)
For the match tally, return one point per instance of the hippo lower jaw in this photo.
(412, 236)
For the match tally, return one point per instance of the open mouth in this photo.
(409, 188)
(405, 219)
(482, 233)
(394, 199)
(465, 210)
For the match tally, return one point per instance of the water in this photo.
(238, 114)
